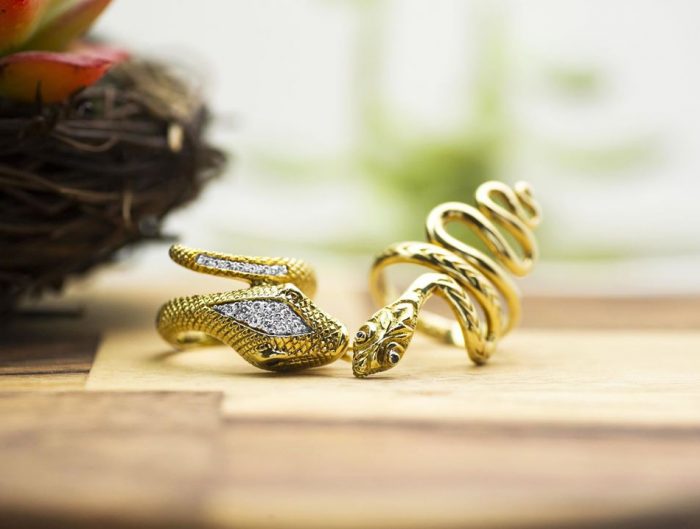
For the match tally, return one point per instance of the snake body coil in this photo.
(464, 276)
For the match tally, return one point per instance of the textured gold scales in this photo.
(194, 320)
(481, 295)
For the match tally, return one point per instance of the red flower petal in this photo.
(101, 51)
(54, 76)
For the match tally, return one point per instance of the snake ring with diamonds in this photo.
(274, 324)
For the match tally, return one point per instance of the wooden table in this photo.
(589, 416)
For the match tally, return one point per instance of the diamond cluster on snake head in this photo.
(273, 318)
(240, 266)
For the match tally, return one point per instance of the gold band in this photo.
(463, 274)
(253, 270)
(274, 324)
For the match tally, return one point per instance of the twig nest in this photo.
(81, 179)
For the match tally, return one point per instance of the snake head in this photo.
(381, 342)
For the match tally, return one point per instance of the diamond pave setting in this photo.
(273, 318)
(240, 266)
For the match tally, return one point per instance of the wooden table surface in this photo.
(589, 416)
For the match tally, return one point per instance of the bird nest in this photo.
(82, 179)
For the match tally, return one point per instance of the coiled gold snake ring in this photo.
(274, 324)
(460, 273)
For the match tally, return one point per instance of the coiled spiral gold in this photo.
(464, 276)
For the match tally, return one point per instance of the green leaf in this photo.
(18, 20)
(69, 21)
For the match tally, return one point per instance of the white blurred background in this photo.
(347, 120)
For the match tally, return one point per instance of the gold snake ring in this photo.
(274, 324)
(461, 275)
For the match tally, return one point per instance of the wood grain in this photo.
(589, 416)
(567, 376)
(670, 312)
(46, 351)
(105, 459)
(560, 420)
(156, 459)
(46, 342)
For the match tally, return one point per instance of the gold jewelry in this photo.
(274, 325)
(463, 271)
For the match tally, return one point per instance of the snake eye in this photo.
(362, 335)
(394, 352)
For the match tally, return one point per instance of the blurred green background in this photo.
(348, 120)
